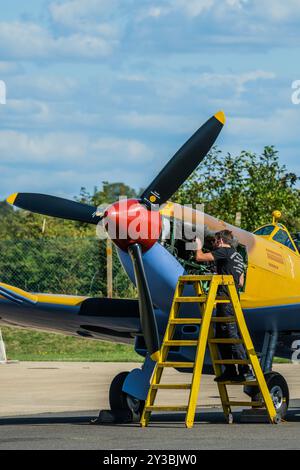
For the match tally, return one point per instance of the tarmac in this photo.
(49, 405)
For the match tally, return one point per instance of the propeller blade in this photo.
(55, 207)
(147, 315)
(184, 162)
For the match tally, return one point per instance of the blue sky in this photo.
(109, 89)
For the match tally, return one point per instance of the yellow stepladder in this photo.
(206, 302)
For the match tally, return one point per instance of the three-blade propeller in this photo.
(166, 183)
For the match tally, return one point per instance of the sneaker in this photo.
(226, 377)
(239, 378)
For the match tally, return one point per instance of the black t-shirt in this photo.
(229, 261)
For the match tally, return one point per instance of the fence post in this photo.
(109, 263)
(3, 358)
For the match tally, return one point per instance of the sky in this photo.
(108, 90)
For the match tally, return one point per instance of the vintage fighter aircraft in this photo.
(270, 298)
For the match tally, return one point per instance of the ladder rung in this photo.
(244, 403)
(176, 365)
(171, 386)
(222, 301)
(178, 342)
(186, 321)
(199, 299)
(223, 319)
(196, 278)
(225, 341)
(166, 408)
(250, 383)
(232, 361)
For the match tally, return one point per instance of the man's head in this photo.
(223, 238)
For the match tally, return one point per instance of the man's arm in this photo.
(200, 256)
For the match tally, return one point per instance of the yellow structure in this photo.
(207, 302)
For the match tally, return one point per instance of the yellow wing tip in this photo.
(11, 199)
(220, 115)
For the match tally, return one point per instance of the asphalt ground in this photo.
(50, 405)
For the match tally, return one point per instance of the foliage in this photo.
(44, 254)
(252, 184)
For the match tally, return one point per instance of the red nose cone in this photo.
(128, 222)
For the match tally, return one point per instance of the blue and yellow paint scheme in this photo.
(270, 299)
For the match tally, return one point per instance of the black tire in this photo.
(119, 400)
(279, 391)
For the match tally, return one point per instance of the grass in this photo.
(28, 345)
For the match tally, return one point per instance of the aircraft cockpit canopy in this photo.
(278, 233)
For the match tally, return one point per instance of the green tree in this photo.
(250, 183)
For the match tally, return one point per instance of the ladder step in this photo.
(201, 299)
(166, 408)
(232, 361)
(223, 319)
(186, 321)
(225, 341)
(196, 278)
(257, 404)
(250, 383)
(176, 365)
(178, 342)
(171, 386)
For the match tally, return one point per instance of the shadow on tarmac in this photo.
(213, 416)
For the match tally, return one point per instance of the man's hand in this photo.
(198, 244)
(200, 256)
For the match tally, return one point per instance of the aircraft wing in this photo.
(100, 318)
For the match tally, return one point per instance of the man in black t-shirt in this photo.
(228, 261)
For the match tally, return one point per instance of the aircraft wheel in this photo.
(279, 392)
(119, 400)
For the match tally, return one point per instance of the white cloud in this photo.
(194, 7)
(73, 149)
(159, 122)
(237, 82)
(22, 40)
(277, 10)
(278, 128)
(85, 15)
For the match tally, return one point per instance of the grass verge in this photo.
(28, 345)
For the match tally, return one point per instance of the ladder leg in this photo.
(157, 373)
(200, 354)
(151, 396)
(251, 352)
(214, 354)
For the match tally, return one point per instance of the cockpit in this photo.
(279, 233)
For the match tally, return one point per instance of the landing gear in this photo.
(276, 383)
(279, 392)
(121, 401)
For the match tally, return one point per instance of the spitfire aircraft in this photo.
(270, 298)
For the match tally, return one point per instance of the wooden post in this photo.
(3, 358)
(238, 219)
(44, 226)
(109, 266)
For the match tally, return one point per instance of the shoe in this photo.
(238, 378)
(226, 377)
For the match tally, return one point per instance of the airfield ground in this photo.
(48, 405)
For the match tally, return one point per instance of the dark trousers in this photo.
(230, 330)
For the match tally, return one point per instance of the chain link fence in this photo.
(62, 266)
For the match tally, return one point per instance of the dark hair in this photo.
(225, 235)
